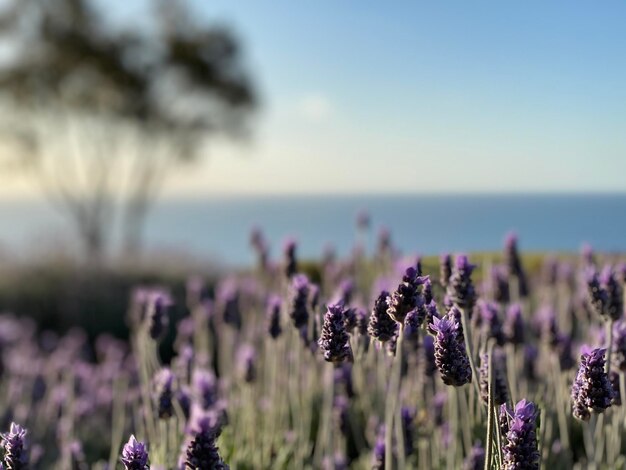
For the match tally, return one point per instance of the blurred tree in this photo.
(101, 115)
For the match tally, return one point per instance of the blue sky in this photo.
(424, 96)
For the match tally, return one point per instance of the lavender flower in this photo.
(617, 396)
(378, 456)
(362, 321)
(427, 356)
(476, 459)
(343, 379)
(246, 358)
(439, 402)
(157, 316)
(76, 456)
(334, 341)
(520, 449)
(427, 291)
(514, 263)
(384, 241)
(619, 345)
(489, 316)
(298, 300)
(412, 324)
(289, 251)
(500, 284)
(564, 352)
(273, 316)
(164, 381)
(407, 418)
(202, 451)
(135, 455)
(405, 297)
(341, 406)
(450, 355)
(460, 287)
(596, 294)
(381, 326)
(548, 327)
(614, 298)
(591, 391)
(14, 443)
(345, 292)
(504, 416)
(431, 313)
(183, 397)
(205, 388)
(228, 298)
(530, 361)
(501, 393)
(514, 325)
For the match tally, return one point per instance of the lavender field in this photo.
(379, 361)
(321, 235)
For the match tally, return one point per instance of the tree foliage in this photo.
(171, 78)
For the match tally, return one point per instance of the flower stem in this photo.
(470, 351)
(609, 344)
(490, 404)
(391, 408)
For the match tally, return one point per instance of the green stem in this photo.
(470, 351)
(392, 403)
(488, 441)
(609, 347)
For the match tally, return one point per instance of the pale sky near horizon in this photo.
(422, 97)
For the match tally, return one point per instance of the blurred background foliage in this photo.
(100, 115)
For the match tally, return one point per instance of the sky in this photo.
(396, 97)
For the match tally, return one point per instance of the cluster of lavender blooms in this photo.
(373, 361)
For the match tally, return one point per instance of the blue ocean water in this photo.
(219, 227)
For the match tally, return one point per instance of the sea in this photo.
(218, 228)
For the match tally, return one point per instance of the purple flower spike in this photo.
(501, 392)
(298, 300)
(597, 295)
(617, 396)
(246, 363)
(413, 322)
(205, 388)
(619, 345)
(460, 288)
(273, 316)
(445, 269)
(381, 326)
(514, 325)
(614, 306)
(134, 455)
(378, 457)
(490, 319)
(450, 355)
(405, 297)
(514, 263)
(476, 459)
(591, 392)
(164, 381)
(500, 284)
(407, 416)
(202, 451)
(520, 450)
(427, 356)
(14, 443)
(289, 251)
(334, 341)
(158, 318)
